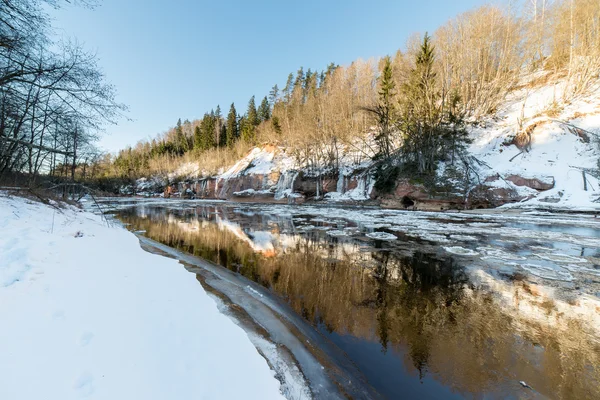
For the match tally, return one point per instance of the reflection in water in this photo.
(417, 324)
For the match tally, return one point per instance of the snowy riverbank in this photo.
(87, 313)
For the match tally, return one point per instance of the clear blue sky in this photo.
(179, 58)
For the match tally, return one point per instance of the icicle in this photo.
(340, 183)
(285, 184)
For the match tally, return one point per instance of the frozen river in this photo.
(393, 304)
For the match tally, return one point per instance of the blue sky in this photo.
(180, 58)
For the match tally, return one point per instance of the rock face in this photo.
(537, 183)
(307, 185)
(487, 196)
(414, 196)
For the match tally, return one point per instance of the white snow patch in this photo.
(96, 316)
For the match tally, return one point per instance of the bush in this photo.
(385, 178)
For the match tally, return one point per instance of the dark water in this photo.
(418, 322)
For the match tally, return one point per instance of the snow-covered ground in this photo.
(86, 313)
(557, 151)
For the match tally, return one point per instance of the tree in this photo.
(181, 142)
(207, 129)
(252, 114)
(430, 122)
(53, 97)
(289, 86)
(218, 126)
(276, 125)
(233, 133)
(264, 110)
(274, 95)
(384, 111)
(198, 142)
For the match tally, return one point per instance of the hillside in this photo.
(533, 153)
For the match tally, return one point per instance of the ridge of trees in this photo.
(409, 109)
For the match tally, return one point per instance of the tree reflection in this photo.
(421, 306)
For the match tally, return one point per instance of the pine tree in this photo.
(198, 138)
(207, 128)
(307, 79)
(274, 95)
(430, 123)
(181, 143)
(233, 133)
(287, 90)
(218, 126)
(252, 114)
(385, 110)
(276, 124)
(299, 78)
(246, 129)
(264, 110)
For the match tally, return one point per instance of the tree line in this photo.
(407, 111)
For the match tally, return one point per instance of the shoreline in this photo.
(87, 312)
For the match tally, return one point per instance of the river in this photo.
(399, 305)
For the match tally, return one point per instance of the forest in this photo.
(406, 111)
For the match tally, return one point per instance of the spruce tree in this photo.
(299, 78)
(198, 145)
(385, 110)
(233, 133)
(287, 90)
(218, 126)
(208, 131)
(252, 114)
(246, 129)
(276, 125)
(264, 110)
(274, 95)
(430, 123)
(181, 143)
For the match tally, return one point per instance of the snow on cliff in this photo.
(87, 313)
(564, 142)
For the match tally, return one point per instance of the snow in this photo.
(258, 161)
(557, 155)
(556, 152)
(87, 313)
(186, 170)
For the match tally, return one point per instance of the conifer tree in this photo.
(246, 129)
(384, 111)
(197, 138)
(264, 110)
(233, 133)
(299, 78)
(208, 131)
(287, 90)
(218, 126)
(274, 95)
(276, 124)
(181, 143)
(252, 113)
(430, 123)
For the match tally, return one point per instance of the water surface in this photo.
(425, 305)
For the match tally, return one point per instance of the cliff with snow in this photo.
(538, 150)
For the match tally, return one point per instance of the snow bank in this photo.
(87, 313)
(557, 153)
(258, 161)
